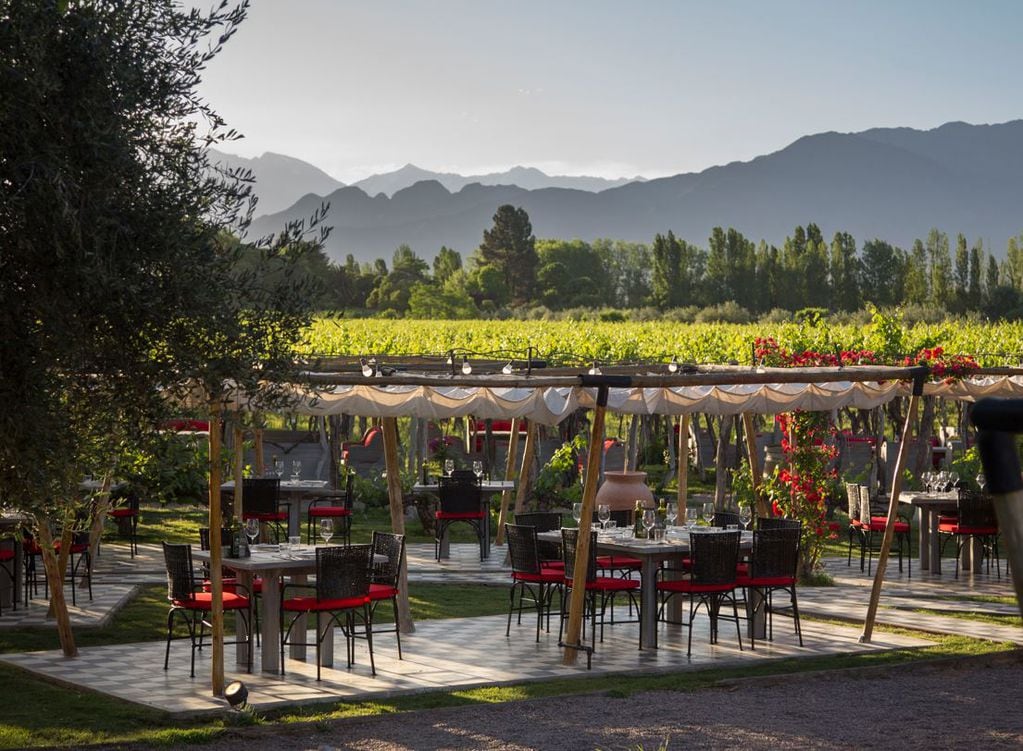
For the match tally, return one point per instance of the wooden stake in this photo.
(754, 463)
(216, 582)
(889, 530)
(509, 474)
(397, 506)
(683, 463)
(527, 460)
(582, 552)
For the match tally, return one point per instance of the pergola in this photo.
(549, 396)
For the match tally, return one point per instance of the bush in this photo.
(776, 315)
(726, 312)
(688, 314)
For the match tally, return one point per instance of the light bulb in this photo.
(507, 369)
(466, 367)
(595, 370)
(366, 369)
(673, 365)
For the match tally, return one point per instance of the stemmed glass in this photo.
(326, 530)
(981, 480)
(942, 480)
(928, 480)
(449, 466)
(649, 520)
(603, 515)
(296, 470)
(252, 530)
(708, 513)
(477, 468)
(745, 516)
(672, 514)
(953, 479)
(577, 512)
(278, 467)
(692, 518)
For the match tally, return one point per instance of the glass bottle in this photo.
(637, 521)
(662, 514)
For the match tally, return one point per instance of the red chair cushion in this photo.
(687, 585)
(618, 561)
(544, 577)
(122, 513)
(329, 511)
(459, 515)
(609, 584)
(311, 604)
(955, 529)
(382, 591)
(766, 581)
(878, 523)
(204, 601)
(277, 516)
(559, 565)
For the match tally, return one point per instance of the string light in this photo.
(466, 367)
(595, 370)
(366, 369)
(673, 365)
(507, 369)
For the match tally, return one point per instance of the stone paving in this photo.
(474, 651)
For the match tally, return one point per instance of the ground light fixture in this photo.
(237, 695)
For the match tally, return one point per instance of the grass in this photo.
(998, 619)
(87, 718)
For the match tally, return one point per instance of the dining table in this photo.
(296, 495)
(651, 554)
(931, 506)
(487, 489)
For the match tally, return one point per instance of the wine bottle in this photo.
(637, 525)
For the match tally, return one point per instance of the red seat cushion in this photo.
(307, 604)
(121, 513)
(382, 591)
(204, 601)
(460, 515)
(230, 584)
(687, 585)
(6, 555)
(618, 561)
(766, 581)
(609, 584)
(544, 577)
(955, 529)
(948, 519)
(277, 516)
(741, 569)
(878, 523)
(329, 511)
(560, 565)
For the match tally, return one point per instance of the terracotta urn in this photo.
(621, 490)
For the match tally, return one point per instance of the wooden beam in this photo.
(527, 460)
(683, 464)
(754, 463)
(216, 581)
(509, 474)
(582, 552)
(397, 506)
(889, 530)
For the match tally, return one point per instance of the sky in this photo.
(613, 89)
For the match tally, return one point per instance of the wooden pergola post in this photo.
(754, 463)
(509, 474)
(683, 463)
(893, 507)
(238, 438)
(527, 460)
(397, 506)
(216, 555)
(582, 552)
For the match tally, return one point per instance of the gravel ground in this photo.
(971, 703)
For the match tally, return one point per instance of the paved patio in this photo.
(474, 651)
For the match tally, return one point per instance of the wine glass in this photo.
(692, 517)
(449, 466)
(603, 515)
(278, 467)
(745, 516)
(252, 530)
(577, 512)
(649, 520)
(672, 514)
(953, 479)
(708, 513)
(928, 480)
(477, 468)
(326, 530)
(981, 480)
(296, 470)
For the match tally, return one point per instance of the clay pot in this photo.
(621, 490)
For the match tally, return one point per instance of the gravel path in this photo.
(965, 703)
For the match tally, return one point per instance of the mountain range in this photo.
(529, 178)
(889, 183)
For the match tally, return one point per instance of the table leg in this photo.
(756, 626)
(327, 645)
(932, 525)
(648, 598)
(923, 531)
(270, 621)
(298, 651)
(444, 551)
(241, 651)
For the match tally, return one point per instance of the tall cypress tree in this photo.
(510, 247)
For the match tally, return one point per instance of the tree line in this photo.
(512, 271)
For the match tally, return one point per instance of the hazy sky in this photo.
(602, 88)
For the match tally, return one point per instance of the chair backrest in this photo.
(464, 475)
(724, 518)
(623, 517)
(976, 509)
(714, 556)
(260, 495)
(390, 545)
(523, 548)
(543, 521)
(343, 571)
(180, 574)
(778, 522)
(569, 545)
(852, 495)
(458, 494)
(775, 552)
(869, 508)
(204, 538)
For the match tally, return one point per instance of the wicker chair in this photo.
(336, 507)
(976, 521)
(606, 587)
(79, 565)
(773, 566)
(190, 600)
(852, 493)
(385, 578)
(532, 580)
(8, 558)
(544, 521)
(125, 512)
(778, 522)
(724, 518)
(711, 582)
(261, 498)
(460, 501)
(341, 592)
(873, 531)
